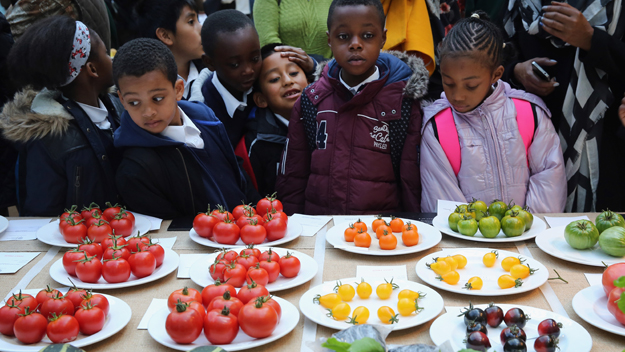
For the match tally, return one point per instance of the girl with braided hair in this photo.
(483, 139)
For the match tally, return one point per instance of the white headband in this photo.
(80, 51)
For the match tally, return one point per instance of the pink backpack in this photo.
(447, 134)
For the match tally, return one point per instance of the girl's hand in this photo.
(298, 56)
(567, 23)
(621, 111)
(525, 75)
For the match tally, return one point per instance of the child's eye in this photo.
(368, 36)
(294, 73)
(133, 103)
(191, 22)
(256, 59)
(448, 84)
(234, 64)
(158, 99)
(274, 80)
(472, 88)
(342, 36)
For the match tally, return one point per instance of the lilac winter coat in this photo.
(494, 163)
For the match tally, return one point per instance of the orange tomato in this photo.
(410, 235)
(380, 230)
(396, 224)
(388, 240)
(350, 233)
(359, 225)
(362, 239)
(377, 222)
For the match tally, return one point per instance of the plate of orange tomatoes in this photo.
(383, 236)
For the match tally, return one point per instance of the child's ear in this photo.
(208, 62)
(328, 34)
(497, 74)
(179, 89)
(165, 36)
(260, 100)
(383, 38)
(91, 70)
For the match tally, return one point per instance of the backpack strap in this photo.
(309, 116)
(526, 120)
(447, 135)
(398, 130)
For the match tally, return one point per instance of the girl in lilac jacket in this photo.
(493, 160)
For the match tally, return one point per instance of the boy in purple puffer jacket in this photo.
(352, 145)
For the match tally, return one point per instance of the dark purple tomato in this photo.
(515, 345)
(478, 341)
(473, 314)
(476, 326)
(549, 327)
(494, 315)
(546, 343)
(515, 316)
(512, 332)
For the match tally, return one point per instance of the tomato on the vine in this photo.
(242, 209)
(276, 214)
(250, 250)
(87, 212)
(247, 261)
(222, 214)
(56, 305)
(91, 248)
(252, 291)
(111, 210)
(96, 300)
(270, 253)
(137, 243)
(235, 274)
(184, 324)
(113, 240)
(258, 274)
(116, 270)
(99, 231)
(75, 296)
(122, 225)
(276, 228)
(253, 233)
(23, 300)
(74, 231)
(8, 316)
(46, 294)
(89, 269)
(158, 252)
(226, 300)
(272, 268)
(203, 224)
(289, 265)
(216, 270)
(226, 232)
(265, 204)
(116, 251)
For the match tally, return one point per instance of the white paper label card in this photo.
(155, 223)
(387, 272)
(11, 262)
(594, 279)
(187, 261)
(156, 305)
(23, 230)
(311, 224)
(165, 242)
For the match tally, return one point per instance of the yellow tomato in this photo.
(451, 277)
(387, 315)
(328, 301)
(507, 281)
(440, 268)
(406, 306)
(490, 258)
(474, 283)
(385, 290)
(359, 316)
(346, 291)
(410, 294)
(509, 262)
(453, 264)
(520, 271)
(340, 311)
(461, 260)
(364, 289)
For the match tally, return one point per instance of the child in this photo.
(64, 133)
(177, 157)
(508, 148)
(353, 135)
(279, 85)
(175, 23)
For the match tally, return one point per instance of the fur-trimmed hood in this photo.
(33, 115)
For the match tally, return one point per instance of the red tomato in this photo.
(228, 256)
(111, 210)
(273, 303)
(90, 319)
(8, 316)
(198, 308)
(257, 274)
(234, 274)
(87, 212)
(250, 250)
(112, 241)
(122, 225)
(226, 232)
(69, 260)
(142, 263)
(258, 319)
(158, 252)
(94, 218)
(247, 261)
(124, 214)
(273, 269)
(184, 324)
(216, 290)
(221, 326)
(266, 204)
(269, 254)
(219, 302)
(289, 265)
(23, 300)
(46, 294)
(62, 329)
(222, 214)
(276, 228)
(56, 306)
(610, 274)
(138, 240)
(96, 300)
(69, 213)
(246, 220)
(74, 231)
(240, 210)
(251, 292)
(614, 296)
(184, 295)
(91, 248)
(116, 270)
(276, 214)
(75, 296)
(217, 269)
(203, 224)
(30, 328)
(89, 269)
(117, 252)
(253, 233)
(99, 231)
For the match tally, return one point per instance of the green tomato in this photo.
(512, 225)
(467, 226)
(490, 226)
(452, 220)
(470, 213)
(462, 208)
(498, 209)
(612, 241)
(608, 219)
(527, 217)
(581, 234)
(480, 208)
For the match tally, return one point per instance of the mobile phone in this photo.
(540, 72)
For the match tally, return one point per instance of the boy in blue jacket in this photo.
(177, 157)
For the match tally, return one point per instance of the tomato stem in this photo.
(557, 278)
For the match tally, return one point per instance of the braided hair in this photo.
(475, 35)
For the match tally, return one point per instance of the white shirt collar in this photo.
(354, 90)
(188, 133)
(232, 103)
(282, 119)
(97, 115)
(193, 74)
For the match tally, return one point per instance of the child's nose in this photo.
(355, 43)
(148, 111)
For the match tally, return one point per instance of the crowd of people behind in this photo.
(341, 106)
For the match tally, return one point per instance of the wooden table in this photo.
(337, 264)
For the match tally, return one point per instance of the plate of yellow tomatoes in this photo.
(342, 303)
(383, 236)
(481, 271)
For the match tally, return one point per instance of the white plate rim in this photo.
(171, 259)
(589, 315)
(424, 274)
(335, 237)
(294, 230)
(45, 232)
(124, 319)
(537, 227)
(446, 318)
(543, 242)
(437, 304)
(287, 308)
(4, 224)
(199, 270)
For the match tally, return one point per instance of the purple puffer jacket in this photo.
(494, 162)
(351, 172)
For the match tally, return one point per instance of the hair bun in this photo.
(475, 15)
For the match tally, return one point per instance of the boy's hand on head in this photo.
(621, 111)
(298, 56)
(525, 75)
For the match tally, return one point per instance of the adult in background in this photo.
(580, 45)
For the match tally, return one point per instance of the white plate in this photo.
(58, 273)
(538, 226)
(50, 234)
(573, 337)
(290, 317)
(591, 304)
(118, 318)
(293, 231)
(4, 224)
(553, 243)
(475, 267)
(308, 269)
(432, 304)
(428, 238)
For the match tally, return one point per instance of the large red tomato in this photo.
(257, 274)
(251, 292)
(184, 324)
(235, 274)
(273, 303)
(222, 214)
(276, 228)
(264, 205)
(91, 248)
(158, 252)
(241, 209)
(90, 319)
(62, 329)
(56, 306)
(289, 265)
(220, 326)
(610, 274)
(89, 269)
(23, 300)
(138, 241)
(270, 253)
(116, 252)
(116, 270)
(87, 212)
(96, 300)
(30, 328)
(69, 260)
(142, 263)
(8, 316)
(184, 295)
(258, 319)
(74, 231)
(272, 268)
(250, 250)
(99, 231)
(216, 290)
(75, 296)
(217, 269)
(246, 220)
(111, 241)
(122, 225)
(203, 224)
(614, 296)
(247, 260)
(233, 303)
(253, 233)
(226, 232)
(111, 210)
(46, 294)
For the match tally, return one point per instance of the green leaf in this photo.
(336, 345)
(621, 303)
(620, 282)
(366, 344)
